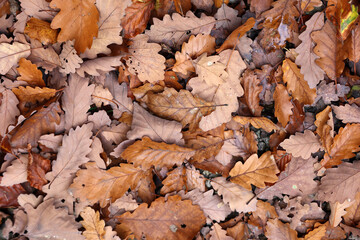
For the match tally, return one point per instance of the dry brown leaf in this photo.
(174, 218)
(176, 29)
(99, 65)
(227, 18)
(69, 60)
(259, 6)
(316, 234)
(345, 143)
(41, 30)
(181, 106)
(146, 153)
(238, 197)
(182, 6)
(234, 37)
(257, 122)
(330, 50)
(296, 84)
(354, 44)
(94, 227)
(39, 9)
(276, 230)
(109, 27)
(252, 88)
(205, 5)
(337, 211)
(33, 95)
(144, 60)
(302, 144)
(8, 110)
(37, 167)
(195, 47)
(217, 233)
(136, 17)
(10, 55)
(205, 147)
(9, 195)
(347, 113)
(42, 122)
(324, 130)
(29, 73)
(352, 216)
(283, 105)
(306, 58)
(46, 58)
(15, 173)
(255, 171)
(330, 92)
(77, 20)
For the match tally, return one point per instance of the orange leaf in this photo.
(252, 88)
(29, 73)
(275, 229)
(33, 95)
(136, 17)
(77, 20)
(9, 195)
(283, 105)
(38, 166)
(258, 122)
(182, 6)
(205, 147)
(41, 30)
(218, 3)
(234, 37)
(296, 84)
(173, 219)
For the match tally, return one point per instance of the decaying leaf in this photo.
(257, 122)
(40, 30)
(275, 229)
(29, 73)
(283, 106)
(93, 225)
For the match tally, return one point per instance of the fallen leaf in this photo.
(9, 195)
(38, 9)
(29, 73)
(69, 60)
(94, 227)
(257, 122)
(283, 105)
(77, 20)
(330, 92)
(255, 171)
(227, 18)
(146, 153)
(337, 211)
(352, 216)
(37, 167)
(276, 230)
(15, 173)
(217, 233)
(171, 219)
(182, 6)
(252, 89)
(10, 55)
(99, 65)
(41, 30)
(347, 113)
(8, 110)
(32, 95)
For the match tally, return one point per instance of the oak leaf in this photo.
(174, 219)
(15, 173)
(147, 153)
(41, 30)
(76, 101)
(29, 73)
(136, 17)
(316, 234)
(119, 92)
(255, 171)
(227, 18)
(306, 58)
(337, 211)
(77, 20)
(9, 195)
(234, 37)
(331, 53)
(69, 60)
(158, 129)
(45, 213)
(51, 141)
(217, 233)
(252, 89)
(124, 203)
(96, 185)
(276, 230)
(330, 92)
(205, 5)
(176, 29)
(99, 65)
(212, 205)
(42, 122)
(347, 113)
(239, 198)
(94, 227)
(283, 105)
(302, 144)
(8, 110)
(354, 44)
(33, 95)
(181, 106)
(10, 55)
(345, 143)
(205, 147)
(296, 180)
(296, 84)
(144, 60)
(38, 9)
(46, 58)
(257, 122)
(109, 27)
(325, 127)
(195, 47)
(37, 167)
(352, 216)
(340, 184)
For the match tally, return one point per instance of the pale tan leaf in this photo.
(195, 47)
(338, 210)
(181, 106)
(227, 18)
(113, 135)
(100, 120)
(69, 59)
(144, 60)
(109, 27)
(348, 113)
(96, 150)
(96, 185)
(212, 205)
(101, 96)
(329, 92)
(255, 171)
(8, 110)
(146, 153)
(237, 196)
(38, 9)
(72, 153)
(51, 141)
(174, 30)
(39, 219)
(94, 227)
(276, 230)
(158, 129)
(165, 220)
(10, 55)
(306, 58)
(211, 70)
(15, 173)
(46, 58)
(352, 216)
(99, 65)
(76, 101)
(302, 144)
(257, 122)
(126, 202)
(217, 233)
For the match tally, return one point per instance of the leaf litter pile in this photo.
(169, 119)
